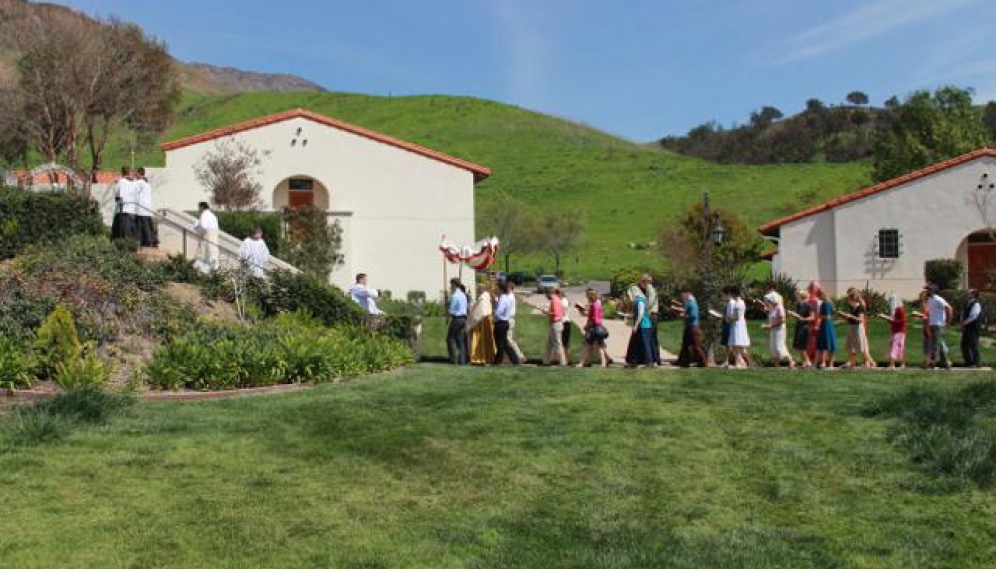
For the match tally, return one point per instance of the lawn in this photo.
(438, 467)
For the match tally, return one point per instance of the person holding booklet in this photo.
(776, 327)
(804, 318)
(691, 337)
(857, 336)
(897, 329)
(595, 332)
(826, 338)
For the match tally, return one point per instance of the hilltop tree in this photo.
(765, 117)
(228, 172)
(512, 223)
(989, 119)
(857, 98)
(924, 129)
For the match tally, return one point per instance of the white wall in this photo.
(807, 250)
(401, 202)
(934, 216)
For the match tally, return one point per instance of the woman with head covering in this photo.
(777, 335)
(804, 318)
(642, 344)
(739, 336)
(897, 327)
(480, 327)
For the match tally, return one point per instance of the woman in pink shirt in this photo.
(594, 330)
(555, 347)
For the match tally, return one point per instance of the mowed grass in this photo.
(439, 467)
(627, 191)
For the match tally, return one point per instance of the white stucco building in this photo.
(882, 236)
(393, 199)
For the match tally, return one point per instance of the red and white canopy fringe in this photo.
(479, 256)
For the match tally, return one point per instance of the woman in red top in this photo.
(897, 325)
(594, 330)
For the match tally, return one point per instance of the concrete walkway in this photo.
(619, 332)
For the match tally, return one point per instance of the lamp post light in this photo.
(712, 236)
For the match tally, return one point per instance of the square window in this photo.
(888, 244)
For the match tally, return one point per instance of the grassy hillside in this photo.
(627, 189)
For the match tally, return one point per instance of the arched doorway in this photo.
(300, 191)
(980, 264)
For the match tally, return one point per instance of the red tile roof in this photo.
(480, 172)
(771, 227)
(103, 177)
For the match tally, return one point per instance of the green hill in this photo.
(627, 189)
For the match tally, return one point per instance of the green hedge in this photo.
(288, 349)
(300, 292)
(27, 218)
(241, 223)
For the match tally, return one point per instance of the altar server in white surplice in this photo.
(255, 253)
(207, 249)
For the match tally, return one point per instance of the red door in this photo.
(982, 266)
(301, 198)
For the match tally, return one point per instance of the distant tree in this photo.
(765, 117)
(815, 106)
(857, 98)
(228, 172)
(560, 232)
(924, 129)
(989, 120)
(512, 223)
(892, 102)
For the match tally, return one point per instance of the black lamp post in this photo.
(712, 236)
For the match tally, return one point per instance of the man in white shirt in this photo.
(255, 254)
(143, 211)
(504, 316)
(125, 223)
(207, 249)
(938, 318)
(971, 318)
(365, 296)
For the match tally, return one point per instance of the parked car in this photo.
(547, 282)
(519, 277)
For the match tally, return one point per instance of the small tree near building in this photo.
(313, 244)
(229, 173)
(512, 223)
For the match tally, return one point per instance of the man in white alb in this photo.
(255, 254)
(143, 212)
(364, 295)
(207, 249)
(125, 223)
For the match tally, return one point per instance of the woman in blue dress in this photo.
(826, 339)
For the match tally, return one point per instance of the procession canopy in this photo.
(479, 256)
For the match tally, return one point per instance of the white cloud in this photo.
(524, 42)
(862, 24)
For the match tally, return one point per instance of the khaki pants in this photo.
(511, 341)
(555, 349)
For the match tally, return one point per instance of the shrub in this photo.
(289, 292)
(945, 273)
(28, 217)
(84, 372)
(87, 404)
(241, 223)
(58, 343)
(287, 349)
(17, 368)
(313, 244)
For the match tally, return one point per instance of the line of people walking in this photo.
(482, 332)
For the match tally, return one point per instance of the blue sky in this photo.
(638, 68)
